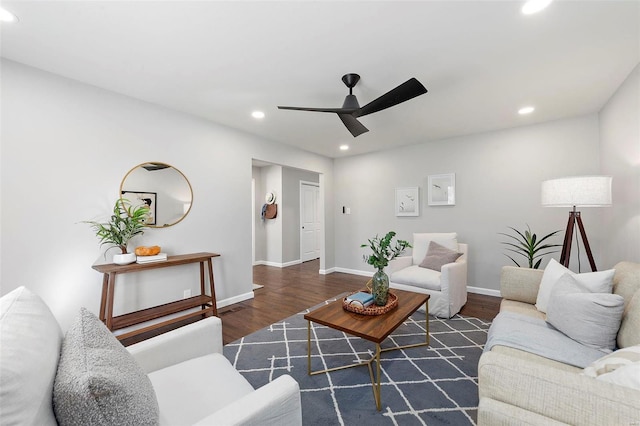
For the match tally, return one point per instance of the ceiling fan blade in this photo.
(353, 125)
(407, 90)
(334, 110)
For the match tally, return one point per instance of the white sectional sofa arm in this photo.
(556, 394)
(277, 403)
(398, 263)
(191, 341)
(520, 284)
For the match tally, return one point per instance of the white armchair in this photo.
(87, 377)
(447, 287)
(195, 384)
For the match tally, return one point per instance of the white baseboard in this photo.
(354, 272)
(235, 299)
(277, 264)
(327, 271)
(485, 291)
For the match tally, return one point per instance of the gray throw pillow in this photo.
(592, 319)
(98, 381)
(438, 256)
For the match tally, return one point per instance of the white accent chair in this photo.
(447, 288)
(193, 382)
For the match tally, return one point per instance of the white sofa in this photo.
(447, 288)
(517, 386)
(177, 378)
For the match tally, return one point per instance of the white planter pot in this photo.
(124, 259)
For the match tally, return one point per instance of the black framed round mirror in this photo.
(163, 188)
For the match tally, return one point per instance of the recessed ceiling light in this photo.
(534, 6)
(344, 147)
(257, 114)
(6, 16)
(526, 110)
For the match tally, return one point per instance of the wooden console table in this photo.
(205, 302)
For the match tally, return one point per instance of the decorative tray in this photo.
(374, 309)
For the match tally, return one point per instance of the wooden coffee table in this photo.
(374, 328)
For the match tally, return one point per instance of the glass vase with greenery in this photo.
(383, 252)
(527, 245)
(126, 222)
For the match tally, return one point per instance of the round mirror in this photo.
(163, 188)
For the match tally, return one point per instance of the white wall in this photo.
(260, 235)
(272, 182)
(66, 147)
(498, 179)
(620, 158)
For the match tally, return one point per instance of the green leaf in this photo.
(526, 243)
(126, 222)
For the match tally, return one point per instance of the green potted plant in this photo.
(126, 222)
(527, 245)
(383, 253)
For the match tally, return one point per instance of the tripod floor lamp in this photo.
(577, 191)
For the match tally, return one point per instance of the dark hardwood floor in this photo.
(290, 290)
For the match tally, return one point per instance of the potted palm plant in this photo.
(126, 222)
(527, 245)
(383, 253)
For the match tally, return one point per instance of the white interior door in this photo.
(310, 226)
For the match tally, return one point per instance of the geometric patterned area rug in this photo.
(428, 385)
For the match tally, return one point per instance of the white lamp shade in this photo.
(585, 191)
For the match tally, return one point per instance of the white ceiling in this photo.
(480, 61)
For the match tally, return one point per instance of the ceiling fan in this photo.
(351, 109)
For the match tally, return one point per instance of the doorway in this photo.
(277, 242)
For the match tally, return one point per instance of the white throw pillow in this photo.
(29, 352)
(628, 376)
(621, 367)
(596, 282)
(613, 361)
(592, 319)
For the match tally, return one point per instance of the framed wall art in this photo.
(137, 198)
(408, 201)
(442, 190)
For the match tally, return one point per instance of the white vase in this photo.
(124, 259)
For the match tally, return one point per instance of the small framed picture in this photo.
(148, 199)
(442, 190)
(408, 201)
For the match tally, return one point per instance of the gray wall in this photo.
(498, 179)
(66, 147)
(620, 157)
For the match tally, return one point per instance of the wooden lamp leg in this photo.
(574, 217)
(568, 237)
(585, 242)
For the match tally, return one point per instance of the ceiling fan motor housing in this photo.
(350, 102)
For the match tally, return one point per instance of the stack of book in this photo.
(360, 299)
(160, 257)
